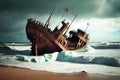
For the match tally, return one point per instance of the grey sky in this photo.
(14, 13)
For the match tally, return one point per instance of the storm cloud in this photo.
(14, 13)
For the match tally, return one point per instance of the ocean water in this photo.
(97, 58)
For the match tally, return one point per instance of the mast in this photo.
(48, 20)
(70, 24)
(65, 10)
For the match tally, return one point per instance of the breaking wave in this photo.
(88, 59)
(17, 46)
(106, 45)
(90, 47)
(90, 55)
(13, 49)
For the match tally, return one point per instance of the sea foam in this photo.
(107, 61)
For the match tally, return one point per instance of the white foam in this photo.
(65, 67)
(106, 45)
(101, 61)
(18, 46)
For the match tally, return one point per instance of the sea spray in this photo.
(91, 60)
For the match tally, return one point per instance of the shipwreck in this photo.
(44, 40)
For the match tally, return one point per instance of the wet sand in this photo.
(12, 73)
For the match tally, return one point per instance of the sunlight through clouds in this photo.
(103, 16)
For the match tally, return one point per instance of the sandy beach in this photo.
(12, 73)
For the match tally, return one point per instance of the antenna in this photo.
(87, 26)
(71, 23)
(48, 20)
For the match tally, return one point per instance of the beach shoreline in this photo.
(15, 73)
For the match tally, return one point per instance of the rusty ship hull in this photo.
(44, 40)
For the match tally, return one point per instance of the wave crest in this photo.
(106, 45)
(104, 60)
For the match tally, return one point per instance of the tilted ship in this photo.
(44, 40)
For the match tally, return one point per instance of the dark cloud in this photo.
(14, 13)
(109, 9)
(83, 7)
(114, 6)
(27, 6)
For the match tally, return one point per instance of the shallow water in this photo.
(100, 58)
